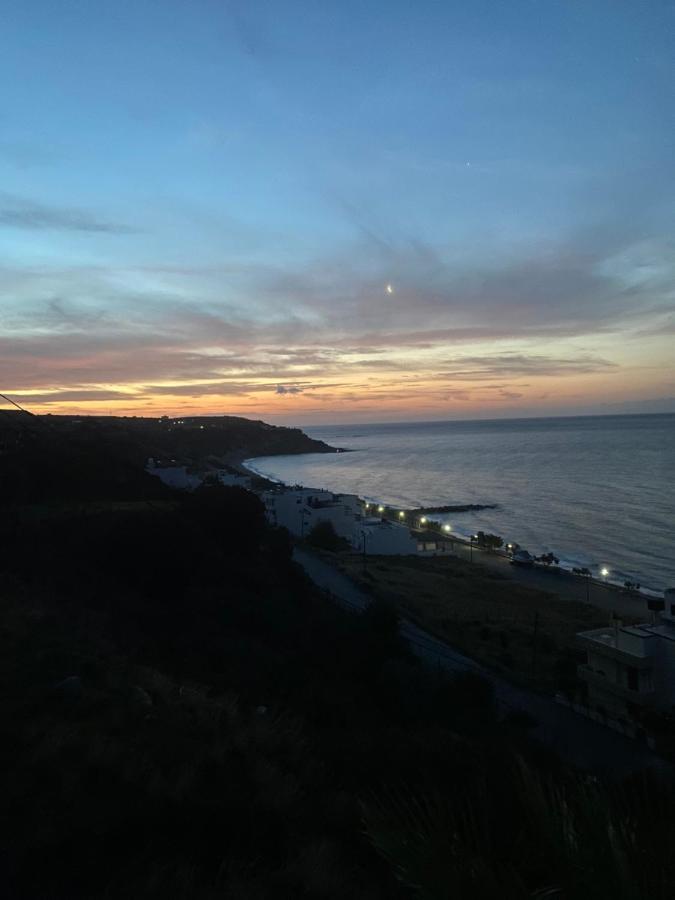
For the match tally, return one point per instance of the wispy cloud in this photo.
(328, 331)
(20, 212)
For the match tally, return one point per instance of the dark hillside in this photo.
(183, 715)
(69, 458)
(195, 437)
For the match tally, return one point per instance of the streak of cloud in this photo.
(19, 212)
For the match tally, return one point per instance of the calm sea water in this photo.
(597, 491)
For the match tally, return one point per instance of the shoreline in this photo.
(563, 569)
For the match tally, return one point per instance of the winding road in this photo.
(579, 740)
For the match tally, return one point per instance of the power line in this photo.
(14, 403)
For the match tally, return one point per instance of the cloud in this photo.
(514, 365)
(328, 330)
(69, 396)
(19, 212)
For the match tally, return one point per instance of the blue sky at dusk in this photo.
(323, 211)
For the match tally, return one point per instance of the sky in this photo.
(330, 210)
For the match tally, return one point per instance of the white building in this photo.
(300, 509)
(233, 479)
(631, 668)
(176, 477)
(383, 538)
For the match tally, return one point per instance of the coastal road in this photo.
(577, 739)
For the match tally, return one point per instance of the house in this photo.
(630, 669)
(432, 543)
(233, 479)
(382, 537)
(300, 509)
(173, 476)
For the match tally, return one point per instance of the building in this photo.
(383, 538)
(177, 477)
(630, 669)
(300, 509)
(233, 479)
(432, 543)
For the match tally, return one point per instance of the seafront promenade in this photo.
(566, 585)
(603, 594)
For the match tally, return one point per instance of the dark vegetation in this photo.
(489, 541)
(323, 537)
(184, 716)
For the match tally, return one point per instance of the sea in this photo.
(597, 491)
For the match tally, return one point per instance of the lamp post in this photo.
(604, 572)
(471, 540)
(363, 541)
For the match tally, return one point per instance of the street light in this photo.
(604, 571)
(423, 520)
(401, 514)
(473, 538)
(380, 509)
(447, 528)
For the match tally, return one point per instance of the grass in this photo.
(479, 611)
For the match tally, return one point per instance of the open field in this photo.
(524, 632)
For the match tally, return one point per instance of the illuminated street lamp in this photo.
(401, 515)
(380, 509)
(447, 528)
(423, 520)
(604, 571)
(474, 537)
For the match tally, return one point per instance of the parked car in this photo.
(522, 558)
